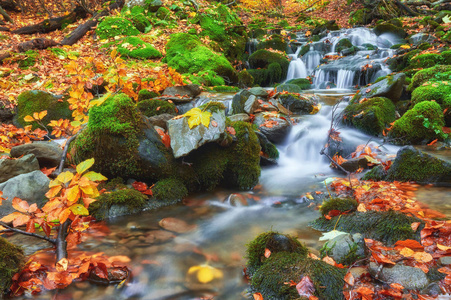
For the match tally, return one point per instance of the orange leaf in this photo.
(422, 257)
(412, 244)
(349, 279)
(258, 296)
(267, 253)
(9, 218)
(433, 142)
(381, 258)
(64, 215)
(20, 205)
(21, 220)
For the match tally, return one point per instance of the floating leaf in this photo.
(205, 273)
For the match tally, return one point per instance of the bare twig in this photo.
(11, 229)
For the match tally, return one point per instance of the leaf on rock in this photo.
(197, 116)
(305, 287)
(331, 234)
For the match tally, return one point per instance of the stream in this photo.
(226, 220)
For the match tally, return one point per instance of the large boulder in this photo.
(268, 67)
(185, 139)
(275, 128)
(185, 92)
(33, 101)
(371, 116)
(30, 187)
(122, 143)
(390, 28)
(391, 87)
(11, 167)
(187, 54)
(435, 73)
(48, 154)
(299, 104)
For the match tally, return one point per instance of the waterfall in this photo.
(312, 60)
(345, 79)
(296, 69)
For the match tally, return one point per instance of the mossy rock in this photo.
(225, 89)
(122, 144)
(297, 103)
(436, 91)
(33, 101)
(343, 44)
(115, 26)
(387, 27)
(245, 79)
(360, 17)
(402, 61)
(154, 107)
(146, 94)
(423, 122)
(303, 83)
(387, 227)
(371, 116)
(187, 54)
(129, 200)
(425, 60)
(275, 41)
(282, 267)
(275, 242)
(268, 67)
(163, 13)
(413, 165)
(440, 72)
(340, 204)
(134, 47)
(169, 190)
(11, 261)
(141, 22)
(289, 88)
(206, 78)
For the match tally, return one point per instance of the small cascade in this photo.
(357, 66)
(226, 99)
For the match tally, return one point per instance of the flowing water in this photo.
(225, 220)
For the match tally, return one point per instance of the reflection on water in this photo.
(437, 198)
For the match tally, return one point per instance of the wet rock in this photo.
(408, 277)
(239, 100)
(6, 114)
(176, 225)
(185, 92)
(419, 38)
(275, 129)
(258, 92)
(48, 154)
(30, 187)
(240, 117)
(10, 168)
(289, 88)
(353, 164)
(297, 103)
(251, 104)
(346, 248)
(158, 236)
(160, 120)
(12, 259)
(185, 139)
(270, 152)
(391, 87)
(388, 28)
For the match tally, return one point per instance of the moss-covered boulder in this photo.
(414, 165)
(390, 86)
(303, 83)
(439, 91)
(390, 28)
(11, 260)
(115, 26)
(343, 44)
(297, 103)
(435, 73)
(289, 88)
(117, 203)
(154, 107)
(387, 227)
(371, 116)
(122, 143)
(146, 94)
(422, 123)
(275, 42)
(140, 21)
(427, 60)
(134, 47)
(340, 205)
(33, 101)
(169, 190)
(245, 79)
(268, 67)
(186, 54)
(206, 78)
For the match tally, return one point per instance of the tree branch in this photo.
(11, 229)
(61, 243)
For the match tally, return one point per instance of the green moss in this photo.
(275, 42)
(163, 13)
(425, 60)
(283, 267)
(275, 242)
(388, 27)
(440, 72)
(423, 122)
(377, 173)
(268, 67)
(387, 227)
(434, 90)
(136, 48)
(224, 89)
(129, 198)
(27, 59)
(146, 94)
(33, 101)
(11, 260)
(245, 79)
(303, 83)
(154, 107)
(343, 44)
(371, 116)
(115, 26)
(263, 58)
(58, 52)
(340, 204)
(360, 17)
(186, 54)
(270, 149)
(169, 190)
(206, 78)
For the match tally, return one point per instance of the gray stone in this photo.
(391, 87)
(445, 260)
(345, 245)
(290, 88)
(353, 164)
(238, 101)
(185, 139)
(259, 92)
(240, 117)
(48, 154)
(185, 92)
(30, 187)
(298, 104)
(160, 120)
(408, 277)
(251, 104)
(419, 38)
(10, 168)
(278, 130)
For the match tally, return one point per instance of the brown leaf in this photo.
(305, 287)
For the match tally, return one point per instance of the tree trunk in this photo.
(5, 15)
(82, 29)
(61, 243)
(49, 25)
(9, 5)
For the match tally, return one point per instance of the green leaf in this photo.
(83, 166)
(79, 210)
(446, 19)
(100, 100)
(93, 176)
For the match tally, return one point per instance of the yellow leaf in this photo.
(405, 47)
(407, 252)
(422, 257)
(114, 52)
(62, 265)
(361, 207)
(65, 177)
(42, 114)
(83, 166)
(443, 247)
(100, 100)
(73, 194)
(28, 119)
(197, 116)
(79, 210)
(205, 273)
(93, 176)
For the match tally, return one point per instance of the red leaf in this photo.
(349, 279)
(433, 142)
(267, 253)
(231, 130)
(381, 258)
(139, 186)
(412, 244)
(305, 287)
